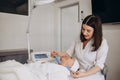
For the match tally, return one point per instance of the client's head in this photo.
(69, 62)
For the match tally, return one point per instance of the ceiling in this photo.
(59, 0)
(14, 6)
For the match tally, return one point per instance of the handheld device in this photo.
(57, 58)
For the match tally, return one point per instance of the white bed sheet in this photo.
(8, 76)
(13, 70)
(48, 71)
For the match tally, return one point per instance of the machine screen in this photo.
(40, 56)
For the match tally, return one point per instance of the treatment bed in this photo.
(14, 66)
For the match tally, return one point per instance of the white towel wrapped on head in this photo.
(75, 66)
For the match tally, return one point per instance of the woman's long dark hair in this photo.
(96, 24)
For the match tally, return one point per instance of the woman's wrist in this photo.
(83, 74)
(91, 71)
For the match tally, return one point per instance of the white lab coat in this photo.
(87, 59)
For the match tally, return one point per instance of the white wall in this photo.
(42, 28)
(13, 29)
(85, 5)
(43, 33)
(112, 33)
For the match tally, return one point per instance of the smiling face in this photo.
(87, 32)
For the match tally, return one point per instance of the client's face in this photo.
(65, 60)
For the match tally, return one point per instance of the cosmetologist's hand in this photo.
(77, 74)
(54, 53)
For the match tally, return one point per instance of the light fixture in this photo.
(42, 2)
(35, 3)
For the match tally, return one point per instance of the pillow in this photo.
(9, 63)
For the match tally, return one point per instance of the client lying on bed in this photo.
(37, 71)
(69, 62)
(53, 71)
